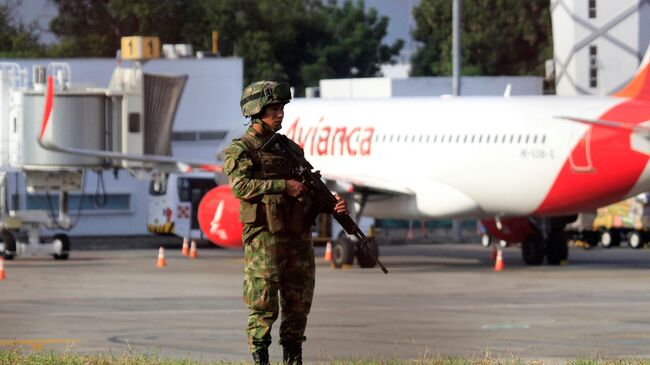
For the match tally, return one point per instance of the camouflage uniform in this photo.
(280, 262)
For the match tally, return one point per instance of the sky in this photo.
(399, 12)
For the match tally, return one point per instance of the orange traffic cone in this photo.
(161, 258)
(498, 264)
(186, 249)
(328, 252)
(2, 268)
(193, 253)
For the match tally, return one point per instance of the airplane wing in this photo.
(162, 162)
(635, 128)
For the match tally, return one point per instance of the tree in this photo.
(93, 28)
(352, 43)
(499, 37)
(302, 41)
(299, 41)
(17, 39)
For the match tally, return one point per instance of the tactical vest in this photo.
(280, 213)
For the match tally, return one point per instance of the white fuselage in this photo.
(452, 157)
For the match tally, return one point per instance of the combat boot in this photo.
(261, 357)
(292, 354)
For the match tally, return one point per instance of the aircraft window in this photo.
(458, 138)
(543, 138)
(397, 139)
(534, 139)
(413, 138)
(512, 138)
(527, 138)
(480, 138)
(435, 138)
(420, 139)
(503, 139)
(472, 139)
(519, 139)
(427, 140)
(465, 138)
(391, 138)
(487, 139)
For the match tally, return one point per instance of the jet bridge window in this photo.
(593, 66)
(592, 9)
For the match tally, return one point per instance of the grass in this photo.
(16, 356)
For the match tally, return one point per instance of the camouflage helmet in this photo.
(262, 93)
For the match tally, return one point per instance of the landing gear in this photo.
(557, 249)
(346, 248)
(343, 251)
(532, 250)
(548, 241)
(364, 258)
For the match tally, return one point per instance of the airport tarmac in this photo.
(438, 300)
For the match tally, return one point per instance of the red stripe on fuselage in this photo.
(616, 167)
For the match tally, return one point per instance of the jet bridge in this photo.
(134, 114)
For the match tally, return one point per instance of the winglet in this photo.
(639, 87)
(49, 101)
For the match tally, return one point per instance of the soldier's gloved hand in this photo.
(295, 188)
(341, 206)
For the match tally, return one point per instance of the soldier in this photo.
(277, 241)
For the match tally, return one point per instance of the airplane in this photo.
(525, 166)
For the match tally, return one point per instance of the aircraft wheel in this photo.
(342, 252)
(61, 243)
(9, 245)
(609, 238)
(532, 250)
(363, 258)
(557, 249)
(635, 239)
(485, 240)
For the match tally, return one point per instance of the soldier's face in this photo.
(273, 115)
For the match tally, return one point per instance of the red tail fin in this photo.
(49, 98)
(639, 87)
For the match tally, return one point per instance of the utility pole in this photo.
(456, 224)
(455, 47)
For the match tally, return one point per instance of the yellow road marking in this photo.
(37, 344)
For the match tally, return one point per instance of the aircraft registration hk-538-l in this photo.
(524, 165)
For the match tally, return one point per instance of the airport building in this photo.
(598, 44)
(117, 203)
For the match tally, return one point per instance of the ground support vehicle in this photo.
(625, 221)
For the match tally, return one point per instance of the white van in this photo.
(174, 202)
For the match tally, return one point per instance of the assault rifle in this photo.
(317, 189)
